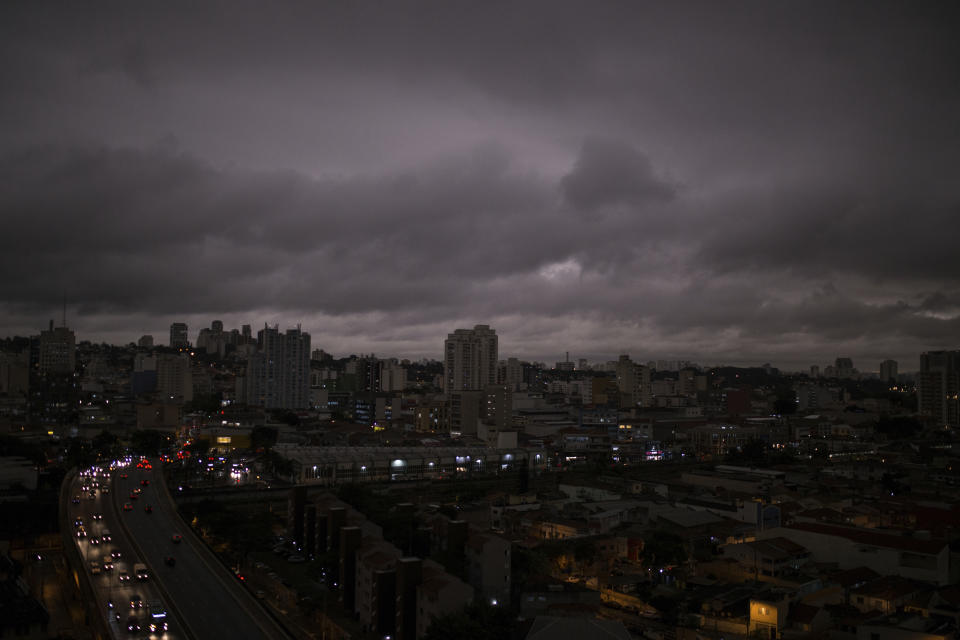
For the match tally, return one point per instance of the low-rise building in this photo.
(438, 594)
(887, 554)
(488, 562)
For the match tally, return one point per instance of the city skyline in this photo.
(179, 329)
(739, 184)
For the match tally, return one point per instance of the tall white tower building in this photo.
(470, 359)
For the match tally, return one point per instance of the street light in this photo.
(39, 564)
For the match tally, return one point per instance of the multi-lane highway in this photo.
(108, 561)
(203, 599)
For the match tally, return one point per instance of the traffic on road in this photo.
(129, 600)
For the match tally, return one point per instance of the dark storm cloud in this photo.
(608, 172)
(814, 229)
(749, 181)
(161, 229)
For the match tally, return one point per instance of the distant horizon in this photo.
(161, 339)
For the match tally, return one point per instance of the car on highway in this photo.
(115, 554)
(158, 616)
(133, 495)
(124, 576)
(76, 500)
(95, 540)
(81, 532)
(133, 624)
(136, 602)
(170, 561)
(140, 571)
(106, 536)
(107, 563)
(176, 538)
(123, 476)
(145, 483)
(78, 522)
(98, 516)
(127, 506)
(148, 509)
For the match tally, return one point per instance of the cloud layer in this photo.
(760, 183)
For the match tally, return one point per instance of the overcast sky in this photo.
(737, 182)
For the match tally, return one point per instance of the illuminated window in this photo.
(223, 439)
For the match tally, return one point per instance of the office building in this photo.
(58, 350)
(178, 336)
(464, 410)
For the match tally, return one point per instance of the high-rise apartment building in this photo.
(938, 387)
(844, 368)
(363, 374)
(511, 373)
(174, 377)
(178, 336)
(58, 350)
(633, 383)
(393, 375)
(888, 371)
(214, 340)
(14, 373)
(278, 374)
(470, 359)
